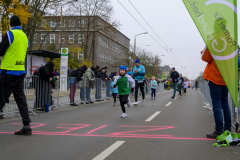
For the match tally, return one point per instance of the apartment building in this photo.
(103, 44)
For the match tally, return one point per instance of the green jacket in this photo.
(124, 84)
(89, 78)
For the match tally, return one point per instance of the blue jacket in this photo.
(130, 73)
(113, 90)
(153, 84)
(141, 72)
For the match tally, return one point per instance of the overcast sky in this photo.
(173, 24)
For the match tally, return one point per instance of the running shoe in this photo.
(135, 104)
(143, 101)
(151, 98)
(24, 131)
(129, 104)
(123, 115)
(173, 97)
(114, 104)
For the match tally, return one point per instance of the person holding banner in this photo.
(219, 95)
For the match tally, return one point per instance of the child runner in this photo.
(153, 85)
(124, 83)
(185, 86)
(114, 91)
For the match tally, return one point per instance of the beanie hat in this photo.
(173, 68)
(93, 69)
(136, 61)
(85, 67)
(105, 68)
(15, 21)
(123, 68)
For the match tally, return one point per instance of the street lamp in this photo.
(135, 41)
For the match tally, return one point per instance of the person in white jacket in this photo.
(185, 85)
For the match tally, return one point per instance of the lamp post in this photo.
(135, 41)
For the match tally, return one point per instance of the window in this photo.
(80, 55)
(71, 38)
(71, 23)
(63, 38)
(52, 23)
(80, 38)
(63, 24)
(81, 23)
(52, 38)
(35, 38)
(105, 58)
(100, 41)
(43, 39)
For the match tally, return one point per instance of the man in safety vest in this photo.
(13, 50)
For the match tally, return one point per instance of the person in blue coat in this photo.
(139, 73)
(114, 91)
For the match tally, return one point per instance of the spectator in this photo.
(89, 78)
(76, 76)
(219, 95)
(101, 78)
(96, 70)
(43, 90)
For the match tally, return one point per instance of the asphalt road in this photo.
(153, 131)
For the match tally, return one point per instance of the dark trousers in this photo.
(153, 93)
(14, 84)
(219, 95)
(114, 97)
(185, 90)
(73, 88)
(137, 85)
(123, 100)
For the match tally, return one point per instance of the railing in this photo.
(67, 91)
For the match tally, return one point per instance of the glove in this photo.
(114, 86)
(132, 89)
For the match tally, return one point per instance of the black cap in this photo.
(15, 21)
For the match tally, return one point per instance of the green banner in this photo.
(216, 21)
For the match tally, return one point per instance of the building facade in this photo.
(95, 39)
(166, 70)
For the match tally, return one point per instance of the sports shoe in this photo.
(74, 104)
(1, 117)
(91, 102)
(143, 101)
(151, 98)
(114, 104)
(173, 97)
(154, 98)
(87, 102)
(123, 115)
(24, 131)
(213, 135)
(129, 104)
(135, 104)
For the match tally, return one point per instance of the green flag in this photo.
(216, 21)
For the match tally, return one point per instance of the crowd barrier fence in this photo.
(66, 92)
(207, 103)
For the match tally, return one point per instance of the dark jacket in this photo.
(174, 76)
(78, 73)
(45, 72)
(101, 75)
(181, 79)
(111, 76)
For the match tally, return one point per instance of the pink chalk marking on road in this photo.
(39, 124)
(157, 128)
(96, 129)
(112, 135)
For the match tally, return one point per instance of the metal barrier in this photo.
(207, 102)
(67, 91)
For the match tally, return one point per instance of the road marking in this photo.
(153, 116)
(109, 150)
(169, 104)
